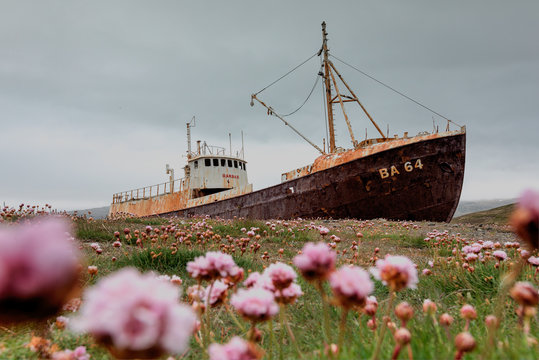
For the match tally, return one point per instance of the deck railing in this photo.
(151, 191)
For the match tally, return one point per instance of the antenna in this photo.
(189, 125)
(170, 171)
(242, 149)
(230, 141)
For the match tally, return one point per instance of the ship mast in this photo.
(327, 83)
(329, 78)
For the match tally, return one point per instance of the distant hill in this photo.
(498, 216)
(96, 213)
(468, 207)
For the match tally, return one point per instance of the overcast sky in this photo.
(94, 95)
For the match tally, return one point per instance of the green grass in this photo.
(450, 286)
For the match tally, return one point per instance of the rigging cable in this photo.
(308, 96)
(392, 89)
(288, 73)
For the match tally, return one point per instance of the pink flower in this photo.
(77, 354)
(281, 275)
(529, 200)
(316, 261)
(218, 293)
(176, 280)
(429, 306)
(468, 312)
(252, 279)
(474, 248)
(323, 230)
(288, 295)
(212, 266)
(38, 264)
(235, 349)
(488, 244)
(351, 286)
(533, 260)
(61, 322)
(525, 218)
(398, 272)
(426, 272)
(471, 257)
(255, 304)
(136, 313)
(500, 255)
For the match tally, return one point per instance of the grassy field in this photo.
(450, 285)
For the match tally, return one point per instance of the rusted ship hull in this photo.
(391, 184)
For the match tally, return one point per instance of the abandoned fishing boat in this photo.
(402, 178)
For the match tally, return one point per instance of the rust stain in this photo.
(327, 161)
(172, 201)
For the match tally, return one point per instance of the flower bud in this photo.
(468, 312)
(464, 342)
(403, 336)
(429, 306)
(525, 294)
(370, 309)
(333, 348)
(491, 322)
(446, 319)
(404, 311)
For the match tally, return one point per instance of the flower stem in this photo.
(436, 328)
(281, 332)
(383, 328)
(396, 352)
(410, 355)
(506, 282)
(207, 326)
(252, 332)
(271, 340)
(325, 311)
(291, 333)
(342, 329)
(234, 318)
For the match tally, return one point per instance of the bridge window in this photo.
(207, 162)
(215, 162)
(236, 164)
(196, 164)
(223, 162)
(245, 166)
(229, 163)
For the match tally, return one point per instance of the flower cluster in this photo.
(235, 349)
(316, 261)
(397, 272)
(255, 304)
(212, 266)
(351, 286)
(136, 314)
(38, 268)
